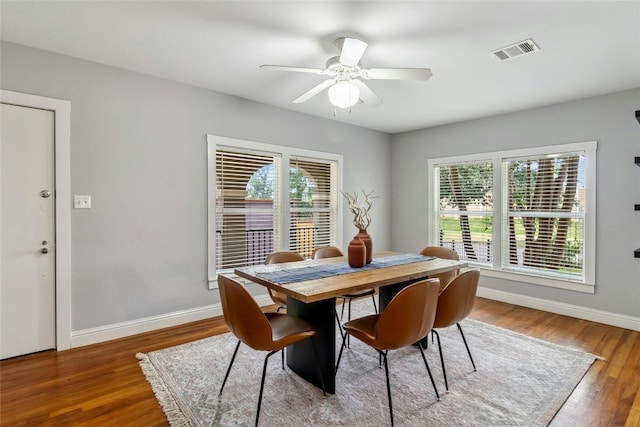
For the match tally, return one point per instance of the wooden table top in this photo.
(331, 287)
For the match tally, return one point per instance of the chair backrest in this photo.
(456, 301)
(326, 252)
(279, 257)
(444, 253)
(409, 315)
(242, 314)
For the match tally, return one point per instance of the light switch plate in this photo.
(82, 202)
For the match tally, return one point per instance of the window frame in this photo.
(496, 269)
(285, 153)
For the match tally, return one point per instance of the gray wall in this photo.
(138, 148)
(609, 119)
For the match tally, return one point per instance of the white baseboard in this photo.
(124, 329)
(585, 313)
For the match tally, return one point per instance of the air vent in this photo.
(516, 49)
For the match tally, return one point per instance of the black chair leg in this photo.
(264, 371)
(465, 344)
(444, 371)
(433, 383)
(349, 319)
(230, 365)
(342, 312)
(344, 337)
(339, 325)
(373, 298)
(282, 358)
(386, 371)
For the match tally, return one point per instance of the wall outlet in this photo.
(82, 202)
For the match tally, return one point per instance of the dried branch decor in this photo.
(361, 219)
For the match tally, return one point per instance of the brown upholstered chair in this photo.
(407, 319)
(270, 332)
(444, 253)
(331, 252)
(279, 298)
(454, 304)
(326, 252)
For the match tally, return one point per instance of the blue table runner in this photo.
(301, 274)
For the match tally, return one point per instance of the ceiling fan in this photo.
(345, 83)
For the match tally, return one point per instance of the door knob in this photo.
(44, 250)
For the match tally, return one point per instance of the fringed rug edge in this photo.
(172, 411)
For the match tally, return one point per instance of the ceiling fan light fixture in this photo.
(344, 94)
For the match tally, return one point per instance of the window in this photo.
(544, 208)
(265, 198)
(313, 200)
(527, 215)
(464, 221)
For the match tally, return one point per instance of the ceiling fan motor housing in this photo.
(337, 70)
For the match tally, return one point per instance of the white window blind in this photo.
(313, 204)
(545, 214)
(246, 206)
(464, 220)
(525, 215)
(264, 198)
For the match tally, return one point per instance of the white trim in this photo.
(536, 279)
(212, 282)
(62, 113)
(585, 313)
(148, 324)
(272, 148)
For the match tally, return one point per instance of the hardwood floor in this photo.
(102, 384)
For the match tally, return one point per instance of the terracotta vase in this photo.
(368, 244)
(357, 253)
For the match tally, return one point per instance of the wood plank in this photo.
(332, 287)
(102, 384)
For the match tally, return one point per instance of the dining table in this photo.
(312, 287)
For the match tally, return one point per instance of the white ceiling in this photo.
(587, 48)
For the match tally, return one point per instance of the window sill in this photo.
(538, 280)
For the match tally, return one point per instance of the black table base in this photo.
(300, 355)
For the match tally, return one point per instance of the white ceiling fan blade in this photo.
(352, 51)
(366, 94)
(295, 69)
(397, 73)
(313, 91)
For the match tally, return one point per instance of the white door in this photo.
(27, 227)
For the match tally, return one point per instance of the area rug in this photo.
(520, 381)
